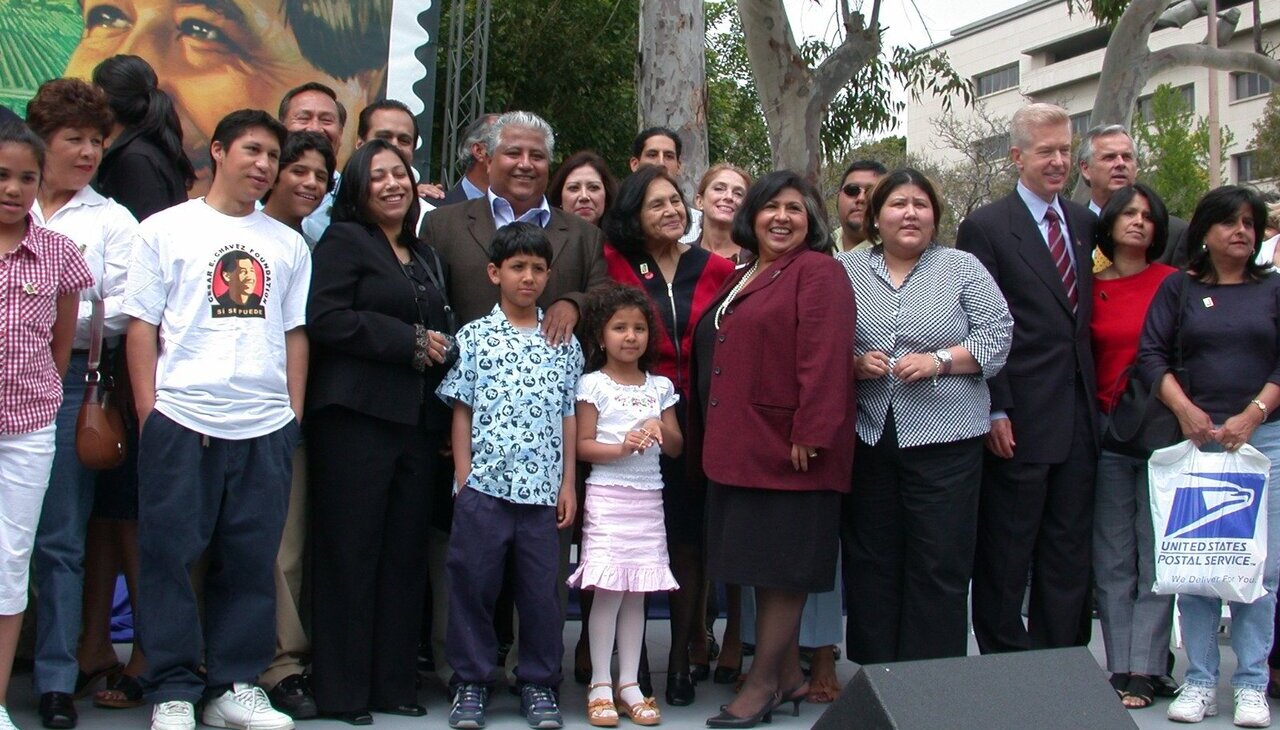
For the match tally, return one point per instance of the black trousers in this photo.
(370, 506)
(1036, 518)
(226, 497)
(909, 529)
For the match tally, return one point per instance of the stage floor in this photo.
(504, 709)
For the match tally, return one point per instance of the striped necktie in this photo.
(1061, 259)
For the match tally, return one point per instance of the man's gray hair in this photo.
(1084, 155)
(476, 133)
(525, 120)
(1031, 117)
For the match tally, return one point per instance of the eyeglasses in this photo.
(853, 190)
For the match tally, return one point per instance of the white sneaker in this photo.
(1194, 704)
(1251, 708)
(173, 715)
(245, 707)
(5, 722)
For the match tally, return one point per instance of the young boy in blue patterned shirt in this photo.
(513, 452)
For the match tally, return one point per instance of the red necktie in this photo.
(1061, 259)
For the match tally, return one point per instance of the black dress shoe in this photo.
(410, 710)
(57, 710)
(355, 717)
(680, 691)
(293, 697)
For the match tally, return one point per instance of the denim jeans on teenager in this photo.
(1251, 623)
(58, 558)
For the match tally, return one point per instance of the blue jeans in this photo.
(58, 560)
(1252, 624)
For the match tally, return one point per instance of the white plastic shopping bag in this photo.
(1209, 511)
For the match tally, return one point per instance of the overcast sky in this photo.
(919, 23)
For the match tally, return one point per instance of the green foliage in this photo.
(1106, 12)
(1174, 151)
(571, 62)
(865, 105)
(1266, 139)
(735, 123)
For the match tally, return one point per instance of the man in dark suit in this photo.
(1108, 162)
(472, 149)
(1036, 508)
(520, 145)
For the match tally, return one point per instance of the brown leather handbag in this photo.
(100, 435)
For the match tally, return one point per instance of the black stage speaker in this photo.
(1053, 689)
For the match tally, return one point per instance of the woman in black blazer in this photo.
(376, 319)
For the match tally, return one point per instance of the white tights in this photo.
(619, 613)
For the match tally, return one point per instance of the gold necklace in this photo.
(720, 310)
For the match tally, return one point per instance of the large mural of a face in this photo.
(216, 56)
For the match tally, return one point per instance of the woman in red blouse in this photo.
(643, 229)
(1131, 232)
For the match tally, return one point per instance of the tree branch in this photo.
(1196, 54)
(852, 54)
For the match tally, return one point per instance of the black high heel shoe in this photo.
(680, 689)
(795, 696)
(765, 715)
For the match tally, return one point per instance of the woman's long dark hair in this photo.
(351, 202)
(1116, 204)
(140, 105)
(1217, 206)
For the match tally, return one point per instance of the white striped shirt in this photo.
(948, 299)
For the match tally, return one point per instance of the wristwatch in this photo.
(944, 357)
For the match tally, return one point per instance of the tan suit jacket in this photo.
(461, 234)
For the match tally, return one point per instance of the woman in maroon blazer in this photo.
(775, 370)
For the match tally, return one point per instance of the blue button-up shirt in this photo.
(520, 389)
(503, 214)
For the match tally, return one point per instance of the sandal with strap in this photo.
(122, 693)
(1120, 683)
(85, 681)
(644, 713)
(601, 712)
(1141, 692)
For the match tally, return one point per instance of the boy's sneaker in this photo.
(539, 707)
(1252, 709)
(468, 706)
(173, 715)
(1194, 704)
(6, 723)
(245, 707)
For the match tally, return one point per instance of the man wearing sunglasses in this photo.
(851, 204)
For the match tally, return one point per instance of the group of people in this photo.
(420, 393)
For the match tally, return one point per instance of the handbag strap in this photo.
(96, 323)
(1176, 365)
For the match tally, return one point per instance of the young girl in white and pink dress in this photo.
(625, 418)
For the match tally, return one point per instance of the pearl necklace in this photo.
(733, 293)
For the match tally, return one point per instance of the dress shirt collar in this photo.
(1097, 210)
(85, 196)
(503, 214)
(470, 189)
(1037, 206)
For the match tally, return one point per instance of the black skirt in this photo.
(772, 538)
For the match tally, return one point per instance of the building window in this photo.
(993, 148)
(1245, 85)
(1244, 168)
(1144, 102)
(998, 80)
(1080, 123)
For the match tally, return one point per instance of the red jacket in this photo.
(782, 374)
(699, 275)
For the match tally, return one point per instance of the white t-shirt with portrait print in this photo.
(223, 291)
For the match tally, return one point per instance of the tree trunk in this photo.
(794, 96)
(672, 79)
